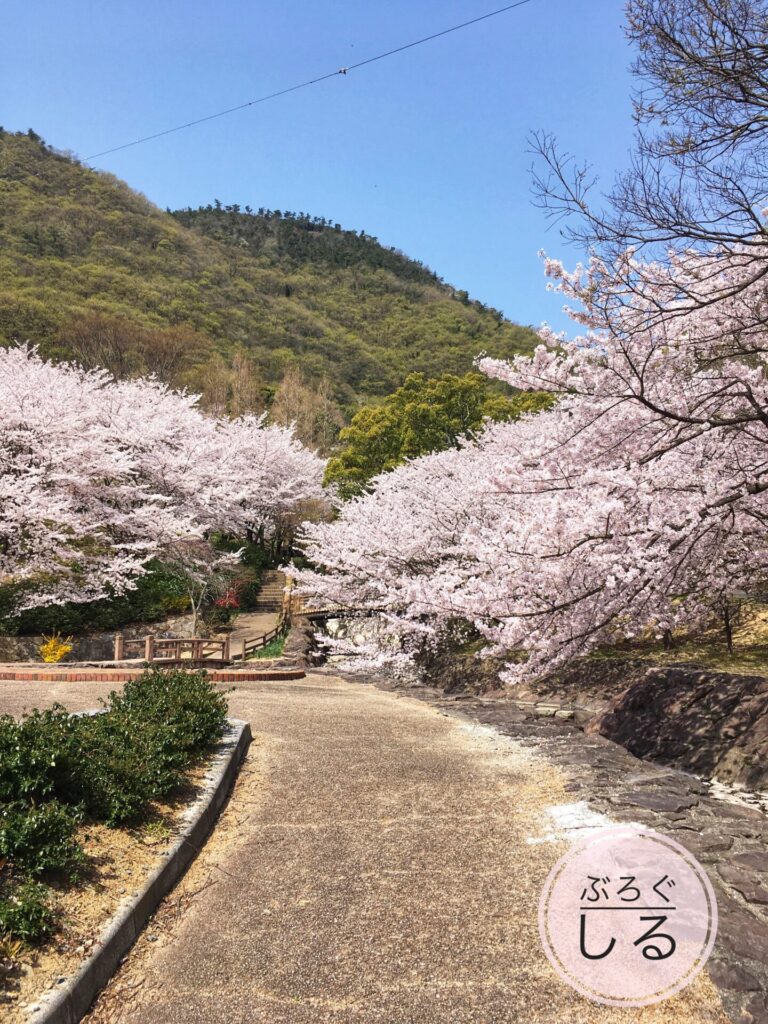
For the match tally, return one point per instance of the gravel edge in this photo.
(69, 1002)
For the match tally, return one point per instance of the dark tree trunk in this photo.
(728, 626)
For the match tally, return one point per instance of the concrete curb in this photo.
(68, 1003)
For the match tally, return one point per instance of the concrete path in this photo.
(249, 624)
(373, 865)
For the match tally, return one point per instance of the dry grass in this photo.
(708, 648)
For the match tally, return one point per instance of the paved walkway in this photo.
(250, 624)
(371, 866)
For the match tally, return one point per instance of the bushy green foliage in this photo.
(40, 839)
(36, 755)
(159, 593)
(420, 417)
(57, 770)
(26, 909)
(185, 706)
(126, 768)
(91, 268)
(138, 750)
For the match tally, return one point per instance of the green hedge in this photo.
(58, 770)
(26, 910)
(158, 594)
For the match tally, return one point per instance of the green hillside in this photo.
(90, 268)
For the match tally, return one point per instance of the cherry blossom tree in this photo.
(99, 476)
(72, 519)
(634, 505)
(679, 406)
(229, 475)
(272, 473)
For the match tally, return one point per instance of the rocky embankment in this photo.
(712, 723)
(729, 838)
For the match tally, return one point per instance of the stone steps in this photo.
(271, 594)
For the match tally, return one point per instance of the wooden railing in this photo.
(152, 648)
(291, 604)
(258, 643)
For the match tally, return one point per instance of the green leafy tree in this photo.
(420, 417)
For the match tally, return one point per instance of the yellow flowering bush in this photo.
(55, 647)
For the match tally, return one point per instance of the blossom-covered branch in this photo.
(98, 476)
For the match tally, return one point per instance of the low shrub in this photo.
(55, 648)
(186, 705)
(139, 748)
(254, 560)
(125, 769)
(107, 765)
(217, 617)
(26, 910)
(57, 770)
(41, 839)
(37, 754)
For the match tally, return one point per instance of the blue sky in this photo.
(426, 150)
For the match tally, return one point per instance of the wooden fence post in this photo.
(119, 647)
(225, 649)
(149, 647)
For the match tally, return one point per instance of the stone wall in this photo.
(588, 684)
(93, 646)
(712, 723)
(358, 630)
(460, 672)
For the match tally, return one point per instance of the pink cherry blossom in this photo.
(98, 476)
(633, 506)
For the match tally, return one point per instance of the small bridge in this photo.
(195, 650)
(184, 650)
(275, 595)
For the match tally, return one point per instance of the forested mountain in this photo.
(223, 299)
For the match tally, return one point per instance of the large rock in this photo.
(713, 723)
(300, 642)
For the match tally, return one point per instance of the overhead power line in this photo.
(312, 81)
